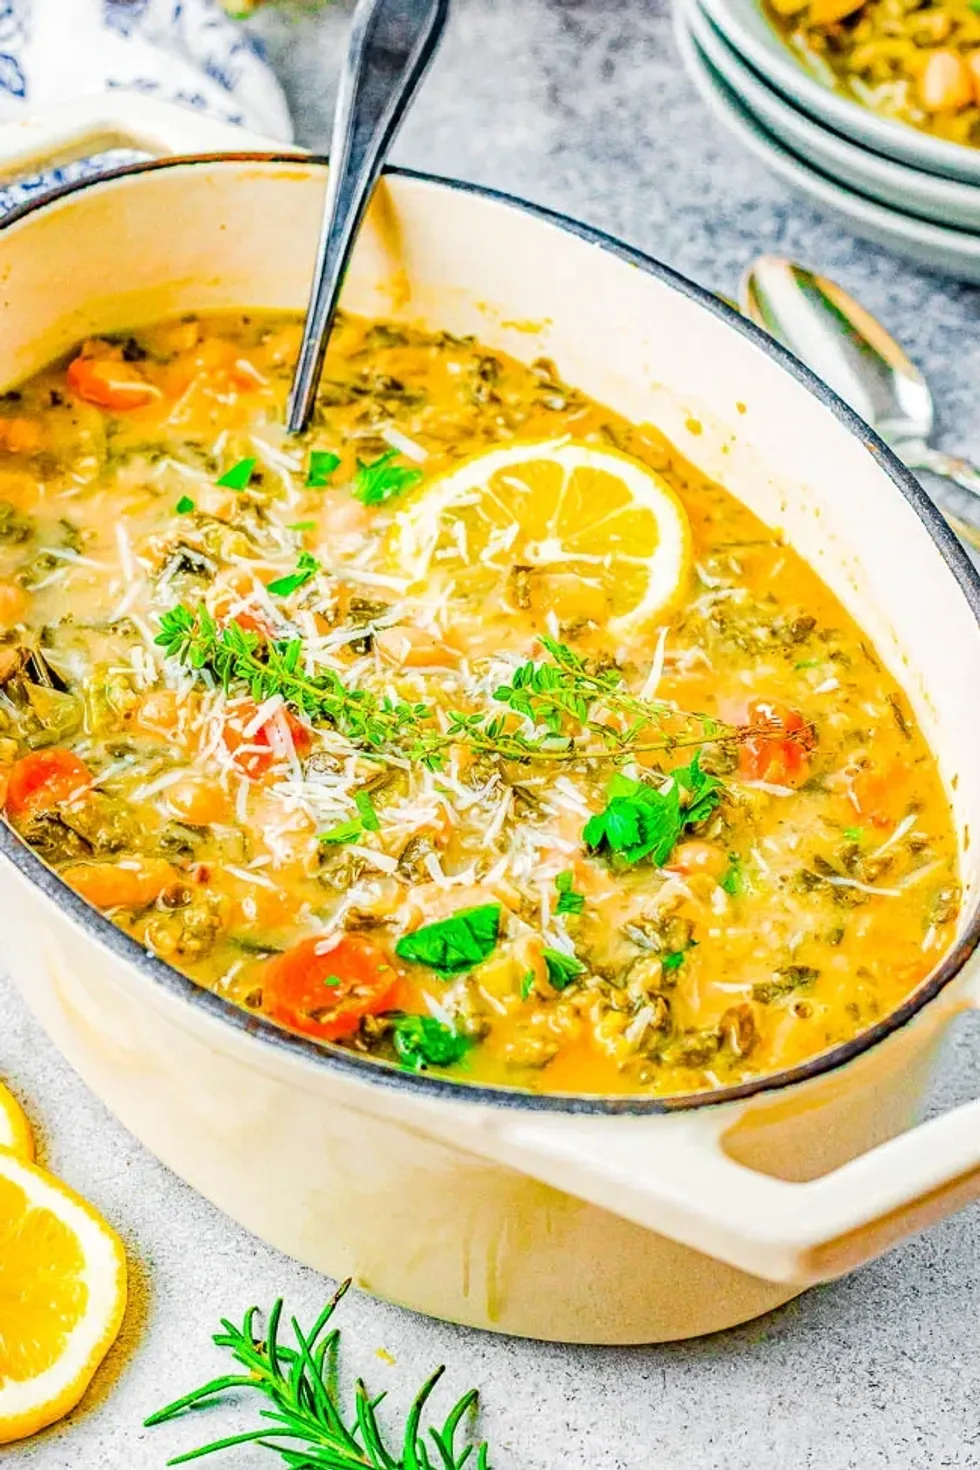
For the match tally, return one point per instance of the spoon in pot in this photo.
(853, 354)
(391, 45)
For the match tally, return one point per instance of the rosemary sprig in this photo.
(305, 1421)
(565, 708)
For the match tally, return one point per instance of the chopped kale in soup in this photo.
(475, 731)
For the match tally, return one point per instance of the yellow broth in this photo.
(242, 841)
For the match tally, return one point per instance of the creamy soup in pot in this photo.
(475, 731)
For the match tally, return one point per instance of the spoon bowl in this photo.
(840, 341)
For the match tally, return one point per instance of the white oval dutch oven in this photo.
(557, 1217)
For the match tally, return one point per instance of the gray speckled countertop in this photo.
(581, 105)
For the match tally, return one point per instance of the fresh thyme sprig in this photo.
(566, 709)
(306, 1415)
(568, 687)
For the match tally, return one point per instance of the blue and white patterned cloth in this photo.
(184, 51)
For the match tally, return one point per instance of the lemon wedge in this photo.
(15, 1131)
(586, 532)
(62, 1297)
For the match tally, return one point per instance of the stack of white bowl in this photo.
(914, 193)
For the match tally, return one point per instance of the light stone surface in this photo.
(581, 106)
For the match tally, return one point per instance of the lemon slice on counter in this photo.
(62, 1297)
(15, 1131)
(587, 532)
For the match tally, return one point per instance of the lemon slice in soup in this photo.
(554, 525)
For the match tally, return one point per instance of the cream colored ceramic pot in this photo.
(551, 1217)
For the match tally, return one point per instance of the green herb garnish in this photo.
(453, 945)
(732, 880)
(301, 526)
(238, 476)
(343, 832)
(527, 984)
(184, 505)
(422, 1041)
(562, 968)
(307, 567)
(676, 957)
(642, 821)
(304, 1419)
(569, 902)
(355, 827)
(323, 463)
(853, 834)
(559, 696)
(369, 817)
(561, 690)
(380, 480)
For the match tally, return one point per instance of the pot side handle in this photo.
(671, 1174)
(88, 125)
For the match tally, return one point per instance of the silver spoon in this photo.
(391, 45)
(853, 354)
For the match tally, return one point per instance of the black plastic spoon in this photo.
(391, 45)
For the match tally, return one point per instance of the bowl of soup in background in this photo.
(751, 32)
(556, 1216)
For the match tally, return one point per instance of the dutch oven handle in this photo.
(671, 1174)
(119, 119)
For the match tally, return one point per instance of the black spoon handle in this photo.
(391, 45)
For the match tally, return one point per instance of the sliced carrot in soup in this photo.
(323, 987)
(777, 750)
(109, 383)
(44, 779)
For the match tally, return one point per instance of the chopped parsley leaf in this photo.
(642, 821)
(569, 902)
(808, 663)
(527, 984)
(423, 1041)
(369, 817)
(184, 505)
(302, 526)
(331, 980)
(238, 476)
(307, 567)
(451, 946)
(380, 480)
(562, 968)
(343, 832)
(323, 463)
(853, 834)
(355, 827)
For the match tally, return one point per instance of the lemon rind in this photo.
(27, 1406)
(15, 1130)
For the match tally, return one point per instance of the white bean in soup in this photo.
(476, 731)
